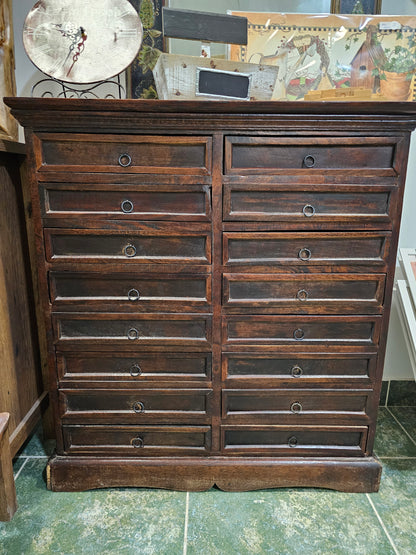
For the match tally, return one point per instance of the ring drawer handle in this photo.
(302, 295)
(133, 295)
(296, 371)
(309, 161)
(130, 251)
(138, 407)
(124, 160)
(137, 441)
(296, 408)
(135, 370)
(305, 254)
(299, 334)
(127, 206)
(292, 441)
(133, 334)
(308, 210)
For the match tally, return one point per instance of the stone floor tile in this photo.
(407, 418)
(391, 440)
(402, 393)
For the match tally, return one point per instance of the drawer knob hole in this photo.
(130, 251)
(296, 371)
(127, 206)
(133, 334)
(292, 441)
(138, 407)
(133, 295)
(296, 408)
(137, 441)
(305, 254)
(309, 161)
(124, 160)
(302, 295)
(308, 210)
(299, 334)
(135, 370)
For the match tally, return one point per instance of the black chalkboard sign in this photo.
(223, 83)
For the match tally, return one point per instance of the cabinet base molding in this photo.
(228, 474)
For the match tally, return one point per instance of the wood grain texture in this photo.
(8, 500)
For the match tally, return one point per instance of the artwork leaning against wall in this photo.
(8, 125)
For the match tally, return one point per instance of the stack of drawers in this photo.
(216, 280)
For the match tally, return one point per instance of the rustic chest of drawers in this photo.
(216, 282)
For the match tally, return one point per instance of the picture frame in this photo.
(408, 265)
(406, 289)
(8, 125)
(353, 6)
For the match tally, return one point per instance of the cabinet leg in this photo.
(8, 500)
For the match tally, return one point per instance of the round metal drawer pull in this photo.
(309, 161)
(137, 441)
(305, 254)
(133, 334)
(296, 371)
(130, 251)
(133, 295)
(127, 206)
(302, 295)
(135, 370)
(296, 408)
(138, 407)
(292, 441)
(308, 210)
(299, 334)
(124, 160)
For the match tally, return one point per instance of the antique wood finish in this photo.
(216, 281)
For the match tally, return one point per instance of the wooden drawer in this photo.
(296, 441)
(153, 244)
(305, 249)
(132, 331)
(308, 205)
(304, 367)
(131, 292)
(305, 294)
(296, 406)
(137, 441)
(301, 330)
(106, 406)
(144, 202)
(124, 153)
(273, 155)
(116, 367)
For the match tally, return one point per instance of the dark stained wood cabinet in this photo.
(216, 281)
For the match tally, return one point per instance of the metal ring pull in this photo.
(302, 295)
(133, 295)
(292, 441)
(124, 160)
(305, 254)
(309, 161)
(296, 371)
(308, 210)
(299, 334)
(296, 408)
(137, 441)
(127, 206)
(135, 370)
(130, 251)
(138, 407)
(133, 334)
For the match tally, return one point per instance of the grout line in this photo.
(397, 458)
(401, 426)
(20, 470)
(185, 533)
(388, 392)
(382, 524)
(33, 457)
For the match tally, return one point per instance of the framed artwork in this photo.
(356, 6)
(406, 289)
(8, 125)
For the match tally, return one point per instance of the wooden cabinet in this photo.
(216, 280)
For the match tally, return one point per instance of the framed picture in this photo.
(8, 125)
(356, 6)
(406, 289)
(408, 265)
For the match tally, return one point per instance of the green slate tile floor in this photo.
(281, 521)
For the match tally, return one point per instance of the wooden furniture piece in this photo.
(8, 500)
(216, 280)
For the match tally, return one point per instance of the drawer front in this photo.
(296, 440)
(117, 367)
(305, 249)
(135, 292)
(268, 155)
(295, 406)
(137, 441)
(143, 405)
(145, 202)
(303, 367)
(335, 293)
(307, 330)
(123, 329)
(295, 204)
(147, 246)
(124, 154)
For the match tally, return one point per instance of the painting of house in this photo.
(368, 57)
